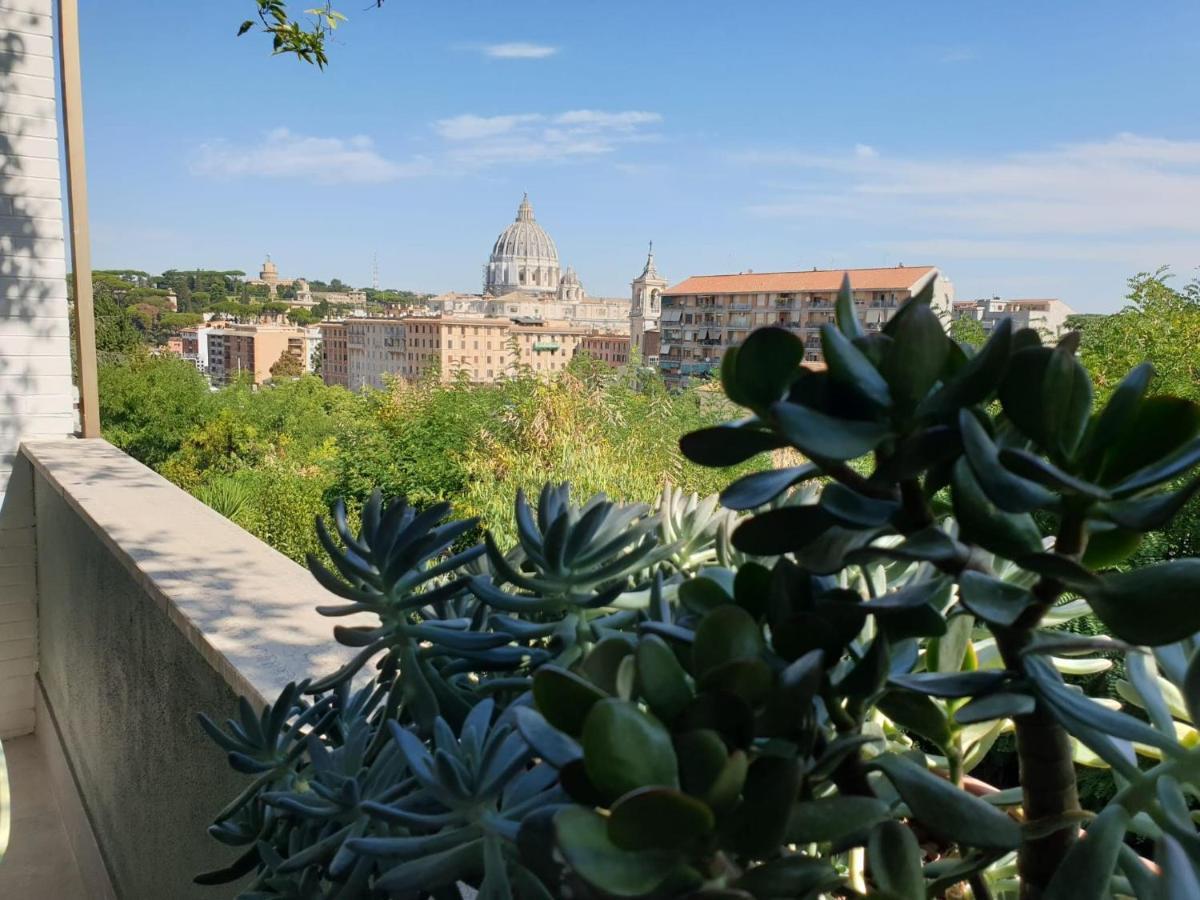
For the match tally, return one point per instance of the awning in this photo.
(671, 315)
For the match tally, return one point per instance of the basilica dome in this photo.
(523, 258)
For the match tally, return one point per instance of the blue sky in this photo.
(1029, 149)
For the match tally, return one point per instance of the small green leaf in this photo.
(848, 507)
(794, 875)
(585, 845)
(1008, 491)
(758, 826)
(951, 814)
(849, 367)
(657, 818)
(894, 858)
(978, 378)
(821, 436)
(991, 599)
(727, 445)
(564, 698)
(869, 673)
(784, 530)
(950, 684)
(1153, 605)
(1010, 535)
(1118, 414)
(1000, 705)
(844, 312)
(758, 488)
(725, 634)
(661, 681)
(548, 742)
(1066, 402)
(625, 749)
(915, 361)
(917, 713)
(1032, 467)
(834, 818)
(1149, 513)
(1021, 392)
(1161, 426)
(767, 362)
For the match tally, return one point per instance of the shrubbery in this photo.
(620, 701)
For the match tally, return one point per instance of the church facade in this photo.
(524, 279)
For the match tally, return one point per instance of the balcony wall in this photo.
(35, 361)
(152, 607)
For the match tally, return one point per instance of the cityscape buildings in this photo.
(1048, 316)
(703, 315)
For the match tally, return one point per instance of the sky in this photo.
(1027, 149)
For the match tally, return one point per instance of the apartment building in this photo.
(704, 314)
(252, 350)
(482, 349)
(194, 343)
(607, 348)
(595, 313)
(1046, 316)
(335, 354)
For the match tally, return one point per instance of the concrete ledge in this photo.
(248, 609)
(151, 608)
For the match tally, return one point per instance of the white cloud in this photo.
(519, 50)
(1120, 186)
(478, 141)
(325, 160)
(471, 127)
(467, 142)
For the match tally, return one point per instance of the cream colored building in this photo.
(335, 354)
(252, 350)
(705, 314)
(483, 349)
(1047, 316)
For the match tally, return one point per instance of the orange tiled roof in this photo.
(899, 278)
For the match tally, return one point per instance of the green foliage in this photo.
(289, 365)
(1160, 325)
(608, 699)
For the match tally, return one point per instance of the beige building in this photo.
(608, 348)
(1048, 316)
(335, 354)
(707, 313)
(252, 349)
(484, 349)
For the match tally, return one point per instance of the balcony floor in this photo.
(39, 864)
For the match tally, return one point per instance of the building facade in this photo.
(335, 355)
(480, 349)
(607, 348)
(705, 314)
(1048, 316)
(251, 350)
(646, 307)
(194, 343)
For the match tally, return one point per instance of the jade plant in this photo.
(799, 694)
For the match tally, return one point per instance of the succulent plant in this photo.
(787, 704)
(569, 570)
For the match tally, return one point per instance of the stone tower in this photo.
(646, 308)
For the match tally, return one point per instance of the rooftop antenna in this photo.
(375, 271)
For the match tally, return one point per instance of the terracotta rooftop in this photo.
(899, 278)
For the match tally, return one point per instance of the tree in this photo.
(1159, 325)
(289, 365)
(968, 330)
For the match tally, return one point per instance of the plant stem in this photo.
(1043, 746)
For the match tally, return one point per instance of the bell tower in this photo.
(646, 308)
